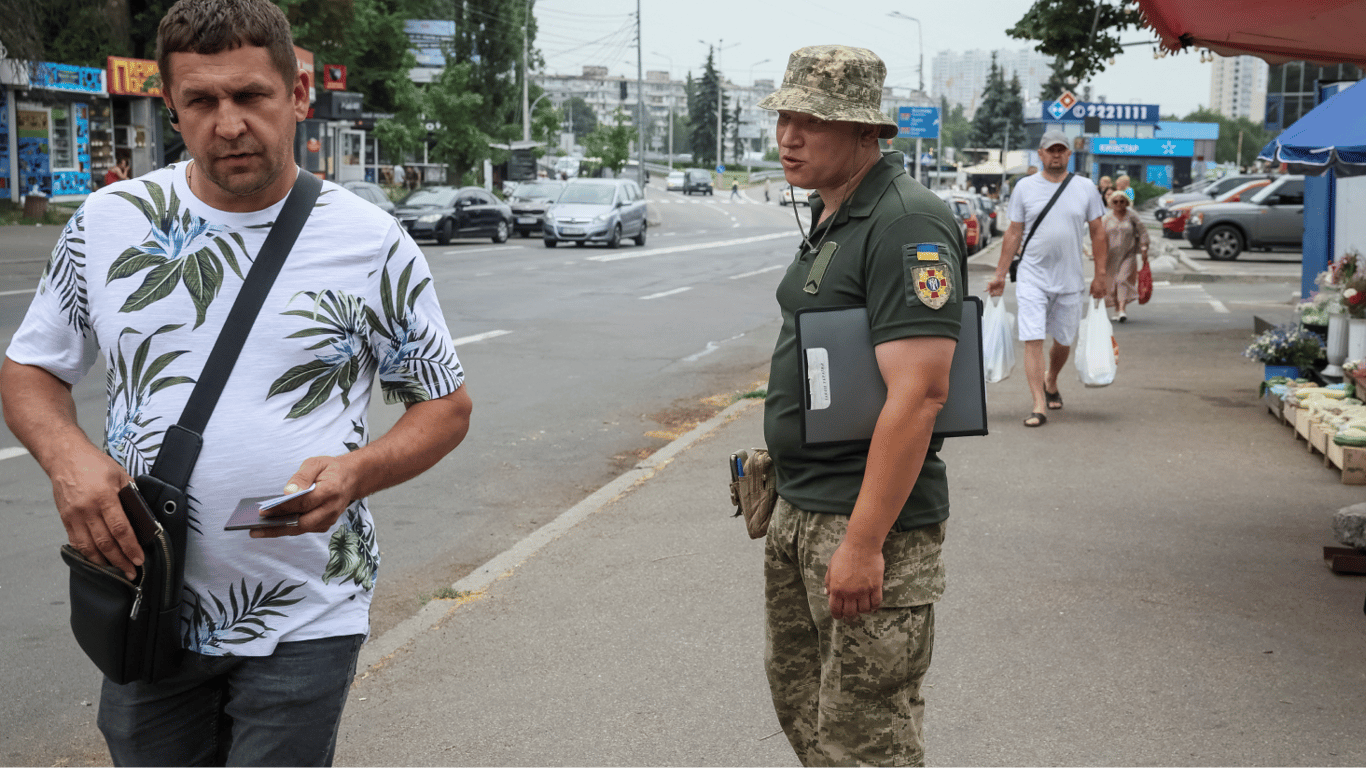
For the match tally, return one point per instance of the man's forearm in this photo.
(425, 433)
(1010, 245)
(41, 412)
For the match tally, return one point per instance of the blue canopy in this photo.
(1332, 135)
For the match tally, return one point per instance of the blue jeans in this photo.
(282, 709)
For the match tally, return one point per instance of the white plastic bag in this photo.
(998, 340)
(1097, 352)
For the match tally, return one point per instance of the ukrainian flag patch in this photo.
(927, 252)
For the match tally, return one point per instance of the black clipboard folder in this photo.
(844, 387)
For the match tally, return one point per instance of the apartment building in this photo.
(961, 76)
(1237, 87)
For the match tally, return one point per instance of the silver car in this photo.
(1274, 216)
(596, 211)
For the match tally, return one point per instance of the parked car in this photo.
(947, 197)
(697, 180)
(1273, 216)
(596, 211)
(985, 210)
(795, 195)
(1205, 193)
(528, 203)
(1174, 226)
(989, 207)
(442, 212)
(675, 181)
(371, 193)
(965, 210)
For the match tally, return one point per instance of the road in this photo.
(581, 361)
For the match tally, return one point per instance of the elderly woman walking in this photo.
(1127, 240)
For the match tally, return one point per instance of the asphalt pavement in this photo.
(1139, 582)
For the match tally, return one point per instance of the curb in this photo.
(378, 651)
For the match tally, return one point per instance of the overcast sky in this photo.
(757, 39)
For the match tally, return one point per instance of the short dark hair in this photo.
(207, 27)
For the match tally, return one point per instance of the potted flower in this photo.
(1285, 350)
(1354, 306)
(1354, 371)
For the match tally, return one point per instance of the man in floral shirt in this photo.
(145, 273)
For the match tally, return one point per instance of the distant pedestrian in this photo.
(1127, 242)
(1105, 186)
(734, 190)
(1122, 185)
(1050, 287)
(767, 184)
(118, 173)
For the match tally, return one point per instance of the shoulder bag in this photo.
(131, 629)
(1015, 262)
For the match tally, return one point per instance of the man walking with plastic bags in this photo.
(1055, 207)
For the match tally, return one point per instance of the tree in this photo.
(1226, 147)
(1063, 29)
(954, 127)
(1000, 118)
(702, 113)
(1057, 81)
(582, 120)
(365, 36)
(452, 101)
(611, 144)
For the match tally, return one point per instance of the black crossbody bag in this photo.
(131, 629)
(1015, 262)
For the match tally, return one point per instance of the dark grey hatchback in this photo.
(442, 213)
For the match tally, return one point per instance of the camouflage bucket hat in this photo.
(834, 82)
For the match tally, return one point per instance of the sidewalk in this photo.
(1138, 582)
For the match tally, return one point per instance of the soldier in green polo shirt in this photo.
(852, 558)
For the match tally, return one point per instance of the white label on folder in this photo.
(818, 378)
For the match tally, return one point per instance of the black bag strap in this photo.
(1045, 211)
(180, 444)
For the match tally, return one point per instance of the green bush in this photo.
(1145, 191)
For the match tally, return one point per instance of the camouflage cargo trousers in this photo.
(848, 693)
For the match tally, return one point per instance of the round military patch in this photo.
(932, 285)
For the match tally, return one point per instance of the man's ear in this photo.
(170, 107)
(303, 85)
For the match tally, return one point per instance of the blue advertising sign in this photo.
(1054, 111)
(917, 122)
(1143, 147)
(65, 77)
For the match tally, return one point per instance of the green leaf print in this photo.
(180, 248)
(64, 274)
(129, 433)
(343, 351)
(241, 620)
(351, 552)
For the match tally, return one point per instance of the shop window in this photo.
(1143, 131)
(63, 127)
(1127, 130)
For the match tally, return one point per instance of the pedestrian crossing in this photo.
(721, 199)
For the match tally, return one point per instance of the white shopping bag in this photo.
(1097, 352)
(998, 340)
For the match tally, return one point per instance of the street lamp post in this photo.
(920, 33)
(920, 73)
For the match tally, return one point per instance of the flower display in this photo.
(1315, 311)
(1287, 344)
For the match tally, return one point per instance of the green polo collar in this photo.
(869, 191)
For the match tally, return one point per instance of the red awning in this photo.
(1325, 31)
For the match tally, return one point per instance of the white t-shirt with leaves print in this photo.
(146, 274)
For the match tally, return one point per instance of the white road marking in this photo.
(756, 272)
(665, 293)
(9, 453)
(712, 346)
(458, 251)
(693, 247)
(479, 337)
(16, 293)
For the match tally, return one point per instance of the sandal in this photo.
(1054, 400)
(1038, 418)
